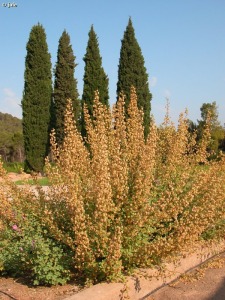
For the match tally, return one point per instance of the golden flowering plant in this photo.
(117, 201)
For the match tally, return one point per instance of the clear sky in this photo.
(182, 41)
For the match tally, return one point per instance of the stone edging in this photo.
(141, 288)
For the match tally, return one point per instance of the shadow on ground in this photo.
(220, 293)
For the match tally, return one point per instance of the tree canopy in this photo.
(65, 85)
(11, 138)
(217, 131)
(95, 77)
(37, 99)
(132, 72)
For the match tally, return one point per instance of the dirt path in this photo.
(201, 284)
(16, 176)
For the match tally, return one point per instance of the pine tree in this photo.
(94, 77)
(65, 85)
(37, 99)
(132, 72)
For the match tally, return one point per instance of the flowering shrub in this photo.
(28, 251)
(116, 202)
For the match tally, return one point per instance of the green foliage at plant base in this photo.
(215, 231)
(28, 251)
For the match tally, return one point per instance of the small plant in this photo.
(28, 251)
(14, 167)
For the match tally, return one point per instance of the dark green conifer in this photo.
(94, 77)
(132, 72)
(65, 85)
(37, 100)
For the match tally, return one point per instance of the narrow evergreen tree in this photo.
(37, 98)
(132, 72)
(94, 77)
(65, 85)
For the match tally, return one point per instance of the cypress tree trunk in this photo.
(94, 77)
(37, 98)
(65, 85)
(132, 72)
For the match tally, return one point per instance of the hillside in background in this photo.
(10, 124)
(11, 138)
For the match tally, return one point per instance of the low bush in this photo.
(28, 251)
(15, 167)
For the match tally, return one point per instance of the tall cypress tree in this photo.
(65, 85)
(94, 77)
(132, 72)
(37, 98)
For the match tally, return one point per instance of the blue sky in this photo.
(183, 44)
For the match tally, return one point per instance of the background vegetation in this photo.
(11, 138)
(131, 71)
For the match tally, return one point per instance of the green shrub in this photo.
(28, 251)
(15, 167)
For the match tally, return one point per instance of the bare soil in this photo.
(203, 283)
(15, 289)
(17, 176)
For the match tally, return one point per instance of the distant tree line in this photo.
(11, 138)
(210, 110)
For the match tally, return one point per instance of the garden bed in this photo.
(137, 289)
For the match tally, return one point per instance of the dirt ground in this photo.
(16, 176)
(16, 290)
(204, 283)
